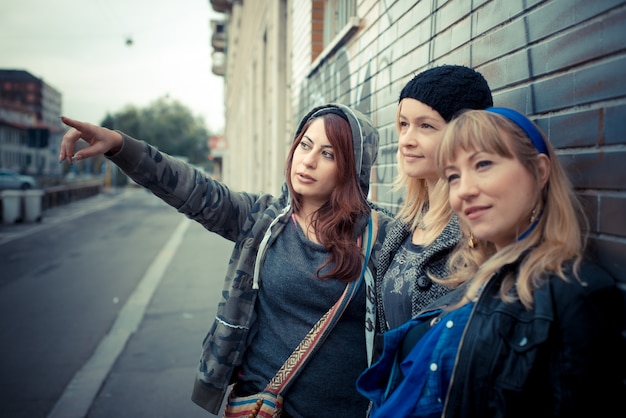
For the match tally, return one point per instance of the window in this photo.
(333, 22)
(337, 14)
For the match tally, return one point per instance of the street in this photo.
(103, 308)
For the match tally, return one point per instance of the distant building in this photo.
(30, 129)
(219, 148)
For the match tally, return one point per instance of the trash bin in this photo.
(11, 206)
(32, 205)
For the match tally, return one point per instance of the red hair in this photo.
(335, 222)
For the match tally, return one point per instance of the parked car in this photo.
(10, 179)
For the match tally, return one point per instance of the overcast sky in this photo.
(79, 47)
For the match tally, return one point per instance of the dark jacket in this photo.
(563, 358)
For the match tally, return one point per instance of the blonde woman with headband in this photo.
(532, 328)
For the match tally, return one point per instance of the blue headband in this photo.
(527, 126)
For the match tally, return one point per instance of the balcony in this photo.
(218, 37)
(224, 6)
(218, 60)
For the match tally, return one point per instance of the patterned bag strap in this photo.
(314, 338)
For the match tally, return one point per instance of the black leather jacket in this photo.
(563, 358)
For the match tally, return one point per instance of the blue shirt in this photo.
(415, 386)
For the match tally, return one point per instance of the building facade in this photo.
(30, 129)
(562, 62)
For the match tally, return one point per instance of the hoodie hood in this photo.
(364, 139)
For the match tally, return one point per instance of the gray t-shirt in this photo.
(291, 299)
(397, 284)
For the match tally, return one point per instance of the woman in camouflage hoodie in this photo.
(292, 258)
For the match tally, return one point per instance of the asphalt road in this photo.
(103, 308)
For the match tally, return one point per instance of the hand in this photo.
(101, 140)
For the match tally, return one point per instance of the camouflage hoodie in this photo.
(251, 221)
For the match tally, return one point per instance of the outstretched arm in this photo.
(101, 140)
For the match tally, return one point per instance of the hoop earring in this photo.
(470, 241)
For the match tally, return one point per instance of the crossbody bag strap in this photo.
(314, 338)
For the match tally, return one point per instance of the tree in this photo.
(168, 125)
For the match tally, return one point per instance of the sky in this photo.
(79, 47)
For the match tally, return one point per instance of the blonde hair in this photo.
(419, 198)
(557, 237)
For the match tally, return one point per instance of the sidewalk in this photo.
(154, 375)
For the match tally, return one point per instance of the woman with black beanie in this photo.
(419, 240)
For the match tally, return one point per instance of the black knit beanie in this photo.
(449, 89)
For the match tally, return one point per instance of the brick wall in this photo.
(562, 62)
